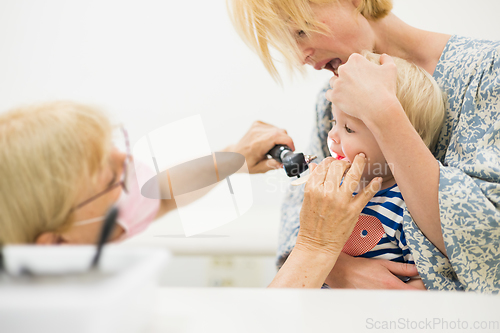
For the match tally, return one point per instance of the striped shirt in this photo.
(379, 231)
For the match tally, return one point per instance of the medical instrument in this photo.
(293, 163)
(107, 228)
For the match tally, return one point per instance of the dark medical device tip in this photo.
(293, 163)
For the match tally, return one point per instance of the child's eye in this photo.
(348, 130)
(333, 122)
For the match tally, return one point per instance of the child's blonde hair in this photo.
(48, 153)
(420, 97)
(264, 23)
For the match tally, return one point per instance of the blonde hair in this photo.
(420, 97)
(264, 23)
(48, 152)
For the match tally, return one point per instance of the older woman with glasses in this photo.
(61, 171)
(54, 158)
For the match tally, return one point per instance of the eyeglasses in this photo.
(120, 137)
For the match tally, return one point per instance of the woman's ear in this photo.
(48, 238)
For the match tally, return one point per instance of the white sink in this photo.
(62, 295)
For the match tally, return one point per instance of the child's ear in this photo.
(48, 238)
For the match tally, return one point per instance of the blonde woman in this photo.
(61, 172)
(452, 195)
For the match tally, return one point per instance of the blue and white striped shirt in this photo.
(379, 231)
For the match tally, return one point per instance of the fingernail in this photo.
(362, 155)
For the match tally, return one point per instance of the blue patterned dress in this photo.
(468, 151)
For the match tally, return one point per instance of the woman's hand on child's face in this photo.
(364, 89)
(330, 211)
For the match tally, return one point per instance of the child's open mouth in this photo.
(336, 156)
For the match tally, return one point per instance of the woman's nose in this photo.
(307, 55)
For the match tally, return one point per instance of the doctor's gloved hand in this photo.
(255, 144)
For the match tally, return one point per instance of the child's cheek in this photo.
(349, 151)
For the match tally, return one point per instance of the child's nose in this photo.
(333, 135)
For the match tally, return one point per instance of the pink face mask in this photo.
(135, 212)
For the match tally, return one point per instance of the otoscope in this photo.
(293, 163)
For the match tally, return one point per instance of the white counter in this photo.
(254, 233)
(239, 310)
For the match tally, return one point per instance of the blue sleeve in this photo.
(469, 184)
(469, 201)
(469, 206)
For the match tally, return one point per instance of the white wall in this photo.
(153, 61)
